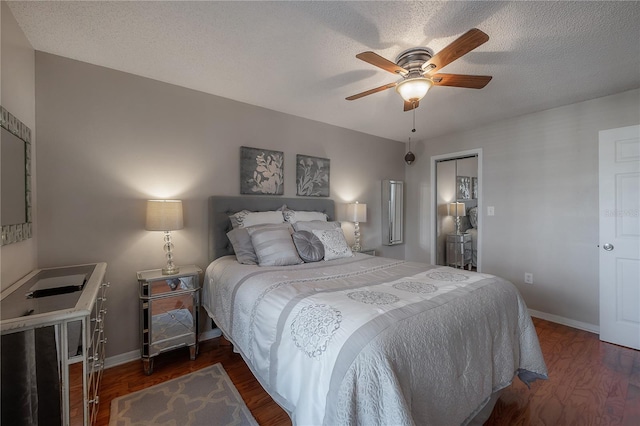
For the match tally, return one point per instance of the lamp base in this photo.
(170, 270)
(356, 246)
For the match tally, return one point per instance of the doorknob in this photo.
(608, 247)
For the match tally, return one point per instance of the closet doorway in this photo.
(456, 219)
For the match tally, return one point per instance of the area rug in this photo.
(204, 397)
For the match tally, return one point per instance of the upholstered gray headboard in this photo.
(220, 207)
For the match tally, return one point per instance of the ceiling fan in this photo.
(418, 65)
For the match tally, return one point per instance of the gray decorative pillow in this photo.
(309, 246)
(293, 216)
(319, 225)
(335, 245)
(245, 218)
(473, 216)
(274, 246)
(242, 246)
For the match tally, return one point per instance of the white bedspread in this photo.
(374, 341)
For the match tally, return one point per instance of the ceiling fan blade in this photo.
(459, 47)
(371, 91)
(380, 62)
(461, 80)
(408, 106)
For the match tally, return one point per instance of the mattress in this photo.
(370, 340)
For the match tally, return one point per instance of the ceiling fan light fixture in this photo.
(414, 89)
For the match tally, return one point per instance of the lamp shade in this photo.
(414, 89)
(164, 215)
(357, 212)
(457, 209)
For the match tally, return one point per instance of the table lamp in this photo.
(165, 215)
(457, 210)
(357, 213)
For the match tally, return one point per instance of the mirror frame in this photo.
(392, 203)
(19, 231)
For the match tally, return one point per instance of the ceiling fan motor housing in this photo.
(412, 60)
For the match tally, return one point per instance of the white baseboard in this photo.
(565, 321)
(112, 361)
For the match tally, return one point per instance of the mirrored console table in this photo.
(53, 320)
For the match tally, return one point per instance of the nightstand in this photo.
(169, 309)
(459, 250)
(370, 252)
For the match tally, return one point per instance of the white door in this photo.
(620, 236)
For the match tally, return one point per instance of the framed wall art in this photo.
(474, 187)
(261, 171)
(463, 187)
(312, 176)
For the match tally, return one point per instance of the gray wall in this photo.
(111, 140)
(540, 173)
(17, 94)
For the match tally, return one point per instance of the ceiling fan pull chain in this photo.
(414, 117)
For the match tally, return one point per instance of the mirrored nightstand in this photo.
(370, 252)
(459, 250)
(169, 308)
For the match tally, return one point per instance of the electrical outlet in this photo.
(490, 211)
(528, 278)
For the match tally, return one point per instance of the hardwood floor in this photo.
(129, 377)
(590, 382)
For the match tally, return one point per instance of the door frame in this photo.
(434, 207)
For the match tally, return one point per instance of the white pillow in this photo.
(245, 218)
(293, 216)
(334, 242)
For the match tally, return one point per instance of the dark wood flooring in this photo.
(590, 382)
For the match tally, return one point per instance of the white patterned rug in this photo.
(204, 397)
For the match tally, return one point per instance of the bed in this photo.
(368, 340)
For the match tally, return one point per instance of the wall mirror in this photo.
(15, 178)
(392, 212)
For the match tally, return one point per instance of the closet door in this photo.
(445, 194)
(456, 178)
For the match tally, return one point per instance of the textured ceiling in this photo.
(299, 57)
